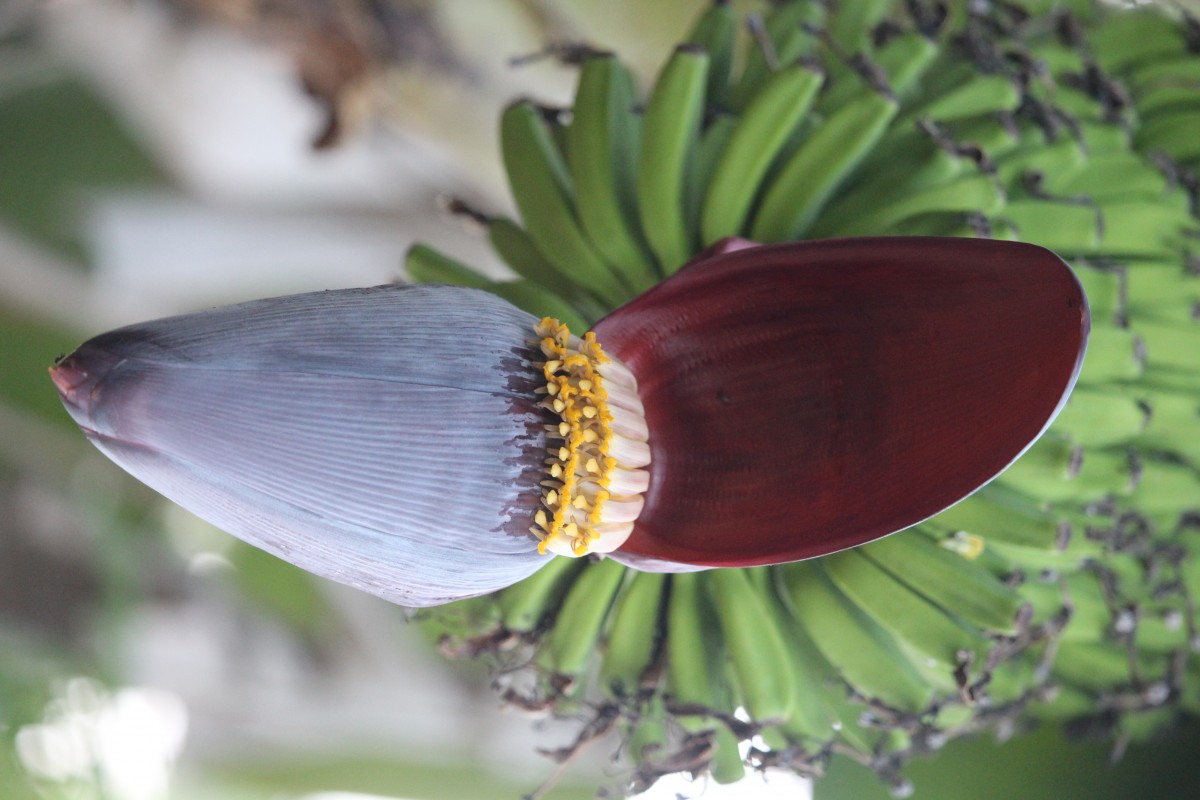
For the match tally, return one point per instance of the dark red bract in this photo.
(809, 397)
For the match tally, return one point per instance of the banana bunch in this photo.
(1067, 589)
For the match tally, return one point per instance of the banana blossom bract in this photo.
(799, 399)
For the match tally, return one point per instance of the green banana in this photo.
(1161, 290)
(539, 302)
(851, 23)
(782, 38)
(649, 735)
(1056, 470)
(812, 722)
(886, 184)
(1108, 176)
(1101, 138)
(1167, 491)
(908, 617)
(727, 765)
(836, 714)
(580, 621)
(984, 95)
(903, 59)
(426, 265)
(979, 193)
(1171, 131)
(715, 30)
(1095, 418)
(764, 127)
(798, 194)
(1054, 162)
(523, 606)
(1113, 354)
(1166, 84)
(999, 516)
(865, 656)
(1105, 290)
(708, 155)
(756, 648)
(947, 579)
(1171, 346)
(1100, 667)
(1174, 422)
(544, 197)
(513, 244)
(693, 652)
(602, 142)
(634, 635)
(669, 132)
(1128, 40)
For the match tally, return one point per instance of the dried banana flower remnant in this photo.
(431, 443)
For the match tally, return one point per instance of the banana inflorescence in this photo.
(1065, 590)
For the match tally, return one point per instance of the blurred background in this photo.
(160, 157)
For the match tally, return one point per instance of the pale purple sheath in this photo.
(386, 438)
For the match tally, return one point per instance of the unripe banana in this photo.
(756, 647)
(1095, 418)
(524, 605)
(635, 634)
(715, 30)
(1053, 162)
(1114, 354)
(577, 628)
(693, 653)
(903, 59)
(947, 579)
(850, 24)
(1108, 176)
(727, 765)
(602, 143)
(543, 194)
(1106, 292)
(669, 133)
(865, 656)
(1126, 41)
(796, 196)
(764, 127)
(972, 193)
(930, 166)
(996, 515)
(539, 302)
(1056, 470)
(426, 265)
(908, 617)
(1167, 84)
(985, 95)
(781, 39)
(513, 244)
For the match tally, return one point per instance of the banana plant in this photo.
(711, 487)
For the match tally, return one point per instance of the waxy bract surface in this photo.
(809, 397)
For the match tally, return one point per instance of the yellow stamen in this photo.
(575, 392)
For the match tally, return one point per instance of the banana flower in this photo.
(763, 405)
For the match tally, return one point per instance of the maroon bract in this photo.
(806, 398)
